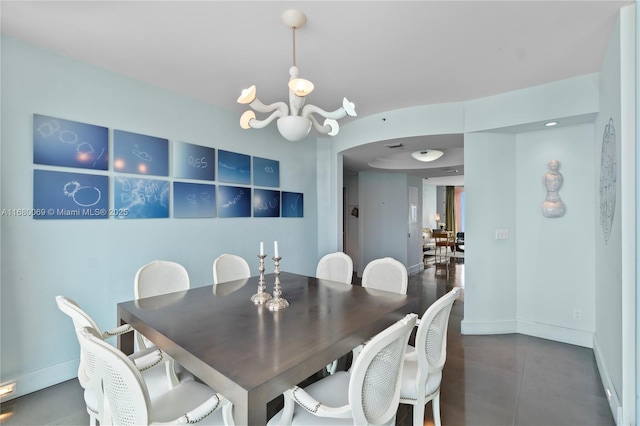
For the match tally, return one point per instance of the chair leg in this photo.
(418, 414)
(435, 405)
(289, 405)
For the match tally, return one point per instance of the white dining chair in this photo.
(123, 396)
(386, 274)
(150, 361)
(423, 363)
(230, 267)
(336, 266)
(367, 395)
(160, 277)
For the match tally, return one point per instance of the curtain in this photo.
(450, 206)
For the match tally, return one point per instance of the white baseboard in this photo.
(544, 331)
(488, 327)
(555, 333)
(607, 384)
(43, 378)
(414, 269)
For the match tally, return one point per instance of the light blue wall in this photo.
(94, 261)
(490, 264)
(383, 216)
(548, 291)
(608, 269)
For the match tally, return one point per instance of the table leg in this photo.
(125, 340)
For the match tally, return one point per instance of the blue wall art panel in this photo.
(141, 198)
(234, 201)
(59, 142)
(140, 154)
(292, 204)
(194, 161)
(194, 200)
(61, 195)
(266, 203)
(233, 167)
(266, 172)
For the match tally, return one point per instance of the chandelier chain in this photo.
(294, 46)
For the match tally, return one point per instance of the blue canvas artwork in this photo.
(141, 198)
(140, 154)
(292, 204)
(61, 195)
(266, 172)
(59, 142)
(266, 203)
(193, 161)
(234, 167)
(234, 201)
(194, 200)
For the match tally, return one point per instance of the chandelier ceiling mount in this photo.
(294, 120)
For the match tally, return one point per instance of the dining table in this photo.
(251, 354)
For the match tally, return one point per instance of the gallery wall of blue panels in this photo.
(150, 177)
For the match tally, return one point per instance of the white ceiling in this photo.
(381, 55)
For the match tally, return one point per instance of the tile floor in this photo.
(492, 380)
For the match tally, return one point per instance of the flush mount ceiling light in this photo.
(551, 123)
(294, 120)
(427, 155)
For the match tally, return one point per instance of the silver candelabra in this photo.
(276, 303)
(261, 296)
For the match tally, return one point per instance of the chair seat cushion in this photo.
(182, 398)
(331, 391)
(409, 376)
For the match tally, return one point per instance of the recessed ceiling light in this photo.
(427, 155)
(551, 123)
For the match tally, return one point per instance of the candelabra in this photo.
(276, 303)
(261, 296)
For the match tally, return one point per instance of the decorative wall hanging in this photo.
(292, 204)
(59, 142)
(266, 172)
(140, 154)
(234, 167)
(234, 201)
(141, 198)
(608, 179)
(266, 203)
(60, 195)
(553, 179)
(194, 161)
(194, 200)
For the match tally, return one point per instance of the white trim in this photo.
(488, 327)
(556, 333)
(628, 211)
(607, 385)
(544, 331)
(43, 378)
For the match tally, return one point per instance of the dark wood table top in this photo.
(251, 354)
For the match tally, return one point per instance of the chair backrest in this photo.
(121, 391)
(335, 267)
(431, 336)
(80, 319)
(374, 387)
(72, 309)
(230, 267)
(160, 277)
(386, 274)
(156, 278)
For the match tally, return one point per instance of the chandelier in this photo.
(294, 120)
